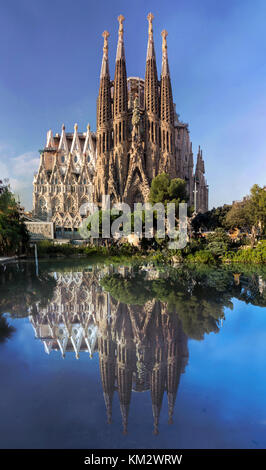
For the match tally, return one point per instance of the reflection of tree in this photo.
(21, 289)
(5, 329)
(198, 297)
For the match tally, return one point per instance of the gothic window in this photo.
(55, 204)
(62, 159)
(70, 204)
(75, 159)
(88, 159)
(42, 207)
(84, 181)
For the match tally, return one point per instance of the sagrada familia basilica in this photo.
(139, 135)
(140, 348)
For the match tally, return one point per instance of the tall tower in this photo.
(167, 114)
(201, 187)
(151, 106)
(120, 114)
(104, 125)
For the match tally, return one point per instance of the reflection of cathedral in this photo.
(140, 347)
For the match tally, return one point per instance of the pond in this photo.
(96, 355)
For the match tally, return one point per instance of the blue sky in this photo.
(49, 73)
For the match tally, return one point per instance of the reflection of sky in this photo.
(46, 401)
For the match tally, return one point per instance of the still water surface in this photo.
(103, 356)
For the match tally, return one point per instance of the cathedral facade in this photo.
(139, 135)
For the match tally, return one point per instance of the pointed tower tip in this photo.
(63, 127)
(164, 35)
(105, 66)
(105, 35)
(120, 53)
(88, 127)
(120, 20)
(165, 67)
(150, 48)
(75, 127)
(150, 19)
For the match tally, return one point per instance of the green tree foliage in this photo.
(165, 190)
(257, 207)
(239, 216)
(248, 255)
(212, 219)
(218, 242)
(249, 213)
(14, 236)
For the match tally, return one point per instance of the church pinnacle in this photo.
(150, 48)
(120, 81)
(165, 67)
(104, 97)
(120, 52)
(167, 106)
(151, 79)
(105, 65)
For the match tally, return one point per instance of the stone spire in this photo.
(120, 117)
(104, 125)
(104, 97)
(201, 187)
(120, 51)
(167, 107)
(105, 64)
(152, 108)
(200, 163)
(120, 81)
(151, 78)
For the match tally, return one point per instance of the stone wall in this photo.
(40, 230)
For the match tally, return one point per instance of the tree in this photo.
(218, 242)
(14, 236)
(249, 214)
(239, 217)
(6, 330)
(212, 219)
(256, 206)
(165, 190)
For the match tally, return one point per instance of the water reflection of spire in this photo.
(140, 347)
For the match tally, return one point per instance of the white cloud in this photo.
(19, 170)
